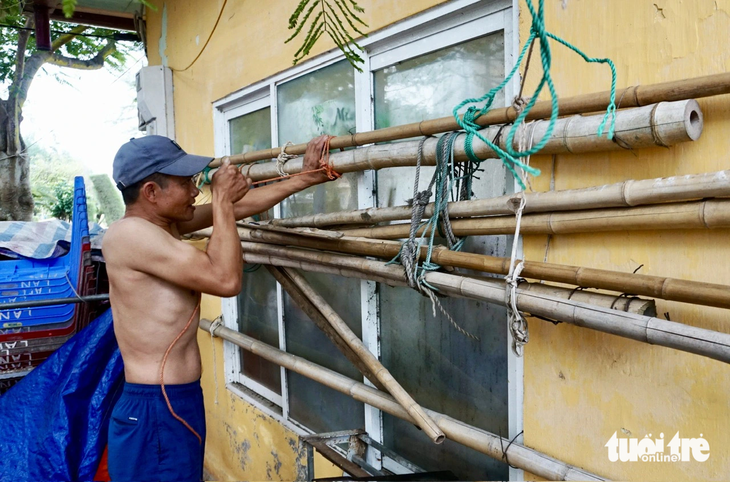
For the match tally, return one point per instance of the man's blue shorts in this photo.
(147, 443)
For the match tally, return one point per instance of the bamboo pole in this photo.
(663, 124)
(673, 289)
(321, 322)
(630, 304)
(422, 420)
(710, 214)
(623, 194)
(477, 439)
(708, 343)
(633, 96)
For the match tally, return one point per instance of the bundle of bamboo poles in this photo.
(663, 124)
(646, 329)
(687, 291)
(469, 436)
(620, 195)
(710, 214)
(634, 96)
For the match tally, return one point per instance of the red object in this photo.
(102, 473)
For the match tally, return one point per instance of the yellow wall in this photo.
(582, 386)
(243, 442)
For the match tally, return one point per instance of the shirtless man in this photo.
(156, 280)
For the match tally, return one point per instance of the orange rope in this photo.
(162, 370)
(324, 166)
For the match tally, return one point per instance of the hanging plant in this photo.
(328, 19)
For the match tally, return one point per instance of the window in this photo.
(418, 69)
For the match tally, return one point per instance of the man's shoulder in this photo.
(129, 232)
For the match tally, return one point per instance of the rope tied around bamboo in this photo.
(444, 179)
(509, 156)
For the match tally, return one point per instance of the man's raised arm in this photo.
(264, 198)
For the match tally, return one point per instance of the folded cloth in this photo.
(43, 239)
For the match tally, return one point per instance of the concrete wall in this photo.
(582, 386)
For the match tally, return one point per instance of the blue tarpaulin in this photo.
(55, 420)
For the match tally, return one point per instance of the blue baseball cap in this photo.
(143, 156)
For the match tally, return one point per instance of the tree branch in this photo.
(92, 64)
(23, 37)
(64, 39)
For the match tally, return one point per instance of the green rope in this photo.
(509, 156)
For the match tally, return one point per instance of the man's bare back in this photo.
(149, 312)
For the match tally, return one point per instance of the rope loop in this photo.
(509, 156)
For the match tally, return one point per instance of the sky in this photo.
(88, 114)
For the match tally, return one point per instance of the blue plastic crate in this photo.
(37, 279)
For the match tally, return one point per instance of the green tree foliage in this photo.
(110, 202)
(323, 18)
(52, 180)
(73, 46)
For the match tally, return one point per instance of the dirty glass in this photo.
(257, 314)
(443, 369)
(251, 132)
(257, 317)
(448, 372)
(322, 102)
(429, 87)
(310, 403)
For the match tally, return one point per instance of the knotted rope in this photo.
(282, 158)
(509, 156)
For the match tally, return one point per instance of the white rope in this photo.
(282, 158)
(516, 322)
(217, 323)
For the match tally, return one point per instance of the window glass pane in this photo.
(429, 87)
(322, 102)
(443, 369)
(257, 313)
(446, 371)
(257, 317)
(317, 407)
(251, 132)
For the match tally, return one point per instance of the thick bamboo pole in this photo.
(623, 194)
(663, 124)
(634, 96)
(630, 304)
(710, 214)
(472, 437)
(384, 376)
(646, 329)
(319, 319)
(673, 289)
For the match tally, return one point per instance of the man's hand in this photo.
(228, 184)
(312, 156)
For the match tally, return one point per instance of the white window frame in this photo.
(437, 28)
